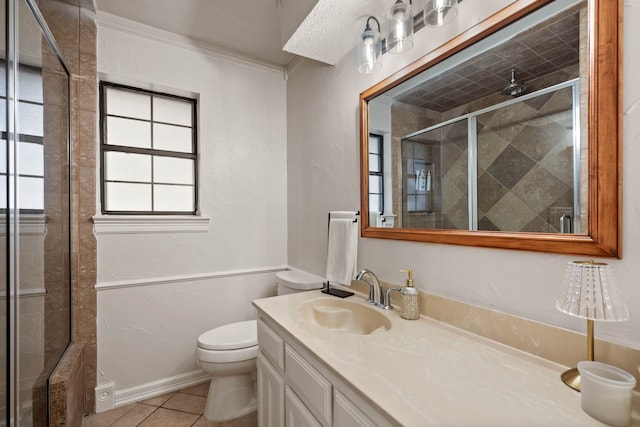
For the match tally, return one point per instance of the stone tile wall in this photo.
(72, 23)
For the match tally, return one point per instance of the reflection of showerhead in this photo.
(514, 88)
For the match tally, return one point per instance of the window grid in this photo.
(375, 152)
(23, 138)
(105, 148)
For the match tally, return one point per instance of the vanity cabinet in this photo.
(295, 389)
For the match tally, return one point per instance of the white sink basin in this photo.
(343, 316)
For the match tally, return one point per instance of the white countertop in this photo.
(424, 372)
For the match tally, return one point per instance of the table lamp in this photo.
(590, 292)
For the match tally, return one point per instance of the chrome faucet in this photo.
(386, 303)
(375, 289)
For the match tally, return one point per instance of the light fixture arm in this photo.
(368, 26)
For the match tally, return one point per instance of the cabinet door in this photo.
(313, 388)
(270, 394)
(297, 415)
(347, 414)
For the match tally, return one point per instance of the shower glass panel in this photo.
(525, 165)
(436, 177)
(512, 167)
(4, 223)
(35, 196)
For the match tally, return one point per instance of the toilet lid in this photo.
(230, 337)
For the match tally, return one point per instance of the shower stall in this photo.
(35, 213)
(513, 166)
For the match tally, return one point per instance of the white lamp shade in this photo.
(590, 292)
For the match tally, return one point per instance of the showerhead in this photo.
(514, 88)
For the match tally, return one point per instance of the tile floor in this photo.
(177, 409)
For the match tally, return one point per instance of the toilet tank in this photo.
(294, 280)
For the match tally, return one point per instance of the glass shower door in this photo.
(35, 192)
(526, 168)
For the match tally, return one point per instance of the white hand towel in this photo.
(342, 251)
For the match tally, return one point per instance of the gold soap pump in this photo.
(410, 298)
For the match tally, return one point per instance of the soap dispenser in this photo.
(410, 299)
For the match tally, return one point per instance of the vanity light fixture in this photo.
(439, 12)
(590, 292)
(369, 48)
(400, 24)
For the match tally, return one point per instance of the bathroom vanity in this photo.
(324, 361)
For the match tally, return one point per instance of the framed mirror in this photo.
(507, 136)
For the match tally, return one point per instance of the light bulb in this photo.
(400, 35)
(368, 41)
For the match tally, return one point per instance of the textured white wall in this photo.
(323, 175)
(149, 333)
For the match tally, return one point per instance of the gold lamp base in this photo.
(572, 378)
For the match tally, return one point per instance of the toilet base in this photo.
(231, 397)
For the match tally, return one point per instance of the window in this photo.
(376, 196)
(148, 148)
(30, 165)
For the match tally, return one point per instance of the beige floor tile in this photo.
(198, 390)
(186, 403)
(107, 418)
(203, 422)
(250, 420)
(158, 400)
(167, 418)
(135, 416)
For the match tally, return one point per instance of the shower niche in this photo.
(513, 166)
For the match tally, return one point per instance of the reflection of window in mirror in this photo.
(376, 175)
(30, 140)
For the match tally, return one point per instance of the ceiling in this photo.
(249, 27)
(273, 32)
(541, 56)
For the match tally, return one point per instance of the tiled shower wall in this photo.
(72, 23)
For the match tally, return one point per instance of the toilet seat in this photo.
(226, 356)
(230, 337)
(234, 342)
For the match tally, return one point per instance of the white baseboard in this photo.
(159, 387)
(105, 397)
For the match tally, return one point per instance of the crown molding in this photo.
(293, 66)
(118, 23)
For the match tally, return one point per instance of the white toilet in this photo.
(228, 353)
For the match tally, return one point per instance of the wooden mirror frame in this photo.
(603, 237)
